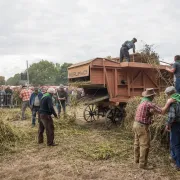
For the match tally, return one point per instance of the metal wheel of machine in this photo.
(114, 116)
(91, 113)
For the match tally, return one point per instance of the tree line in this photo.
(43, 73)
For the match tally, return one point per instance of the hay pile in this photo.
(157, 128)
(10, 114)
(79, 83)
(10, 135)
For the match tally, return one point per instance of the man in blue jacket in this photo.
(35, 104)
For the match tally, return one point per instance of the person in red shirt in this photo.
(143, 119)
(25, 96)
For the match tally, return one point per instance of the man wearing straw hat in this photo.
(173, 125)
(143, 119)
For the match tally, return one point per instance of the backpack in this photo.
(177, 111)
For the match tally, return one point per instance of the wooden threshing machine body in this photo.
(115, 82)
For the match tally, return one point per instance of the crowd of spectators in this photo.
(9, 95)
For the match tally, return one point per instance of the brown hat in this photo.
(148, 92)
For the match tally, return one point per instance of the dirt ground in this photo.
(84, 152)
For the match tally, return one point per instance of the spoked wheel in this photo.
(113, 117)
(91, 113)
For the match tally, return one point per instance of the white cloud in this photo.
(73, 31)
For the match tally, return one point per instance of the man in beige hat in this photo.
(143, 119)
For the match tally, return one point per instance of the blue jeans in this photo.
(35, 110)
(58, 106)
(175, 142)
(177, 85)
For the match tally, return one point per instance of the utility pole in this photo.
(27, 74)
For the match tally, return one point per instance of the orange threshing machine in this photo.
(111, 84)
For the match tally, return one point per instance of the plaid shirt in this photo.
(25, 94)
(143, 114)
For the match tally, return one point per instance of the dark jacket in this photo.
(9, 91)
(32, 98)
(46, 106)
(61, 94)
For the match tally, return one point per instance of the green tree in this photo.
(14, 81)
(43, 72)
(62, 73)
(2, 80)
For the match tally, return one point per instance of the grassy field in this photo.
(84, 151)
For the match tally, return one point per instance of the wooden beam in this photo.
(131, 82)
(143, 81)
(151, 80)
(115, 82)
(97, 100)
(104, 77)
(135, 78)
(128, 82)
(107, 83)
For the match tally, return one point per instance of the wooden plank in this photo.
(136, 77)
(128, 82)
(144, 82)
(104, 77)
(138, 87)
(97, 100)
(151, 79)
(79, 71)
(97, 76)
(107, 83)
(121, 99)
(107, 67)
(80, 64)
(115, 82)
(142, 65)
(131, 82)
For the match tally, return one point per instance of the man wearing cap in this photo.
(124, 51)
(173, 125)
(176, 70)
(44, 89)
(35, 104)
(143, 119)
(61, 98)
(25, 96)
(46, 121)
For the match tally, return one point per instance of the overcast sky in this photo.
(77, 30)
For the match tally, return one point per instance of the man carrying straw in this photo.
(143, 119)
